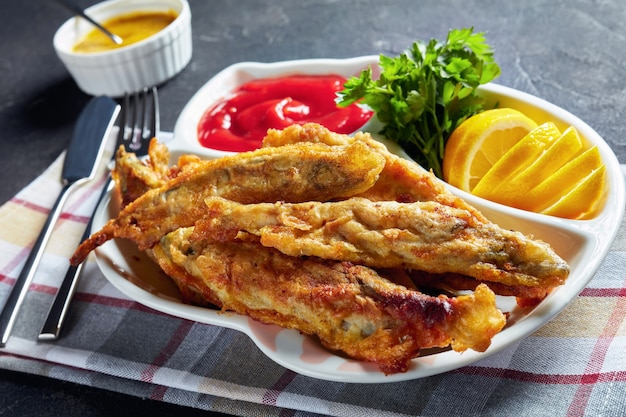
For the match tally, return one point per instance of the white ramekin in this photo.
(147, 63)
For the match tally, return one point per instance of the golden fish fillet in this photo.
(425, 236)
(526, 296)
(400, 180)
(350, 308)
(298, 172)
(134, 177)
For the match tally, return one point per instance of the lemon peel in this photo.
(479, 142)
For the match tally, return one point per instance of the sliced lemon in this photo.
(513, 191)
(503, 156)
(519, 157)
(561, 183)
(582, 200)
(480, 141)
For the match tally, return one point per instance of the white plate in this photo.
(582, 243)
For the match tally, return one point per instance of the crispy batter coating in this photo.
(427, 236)
(299, 172)
(526, 296)
(350, 308)
(401, 180)
(135, 177)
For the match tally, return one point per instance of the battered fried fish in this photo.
(401, 180)
(298, 172)
(404, 181)
(425, 236)
(134, 177)
(350, 308)
(526, 296)
(303, 232)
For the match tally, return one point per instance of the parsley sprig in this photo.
(422, 95)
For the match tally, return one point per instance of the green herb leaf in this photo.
(422, 95)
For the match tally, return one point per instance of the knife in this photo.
(79, 166)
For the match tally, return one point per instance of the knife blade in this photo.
(80, 163)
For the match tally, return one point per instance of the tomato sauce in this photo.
(240, 121)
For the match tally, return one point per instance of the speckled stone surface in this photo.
(571, 53)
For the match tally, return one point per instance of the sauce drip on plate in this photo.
(240, 121)
(131, 27)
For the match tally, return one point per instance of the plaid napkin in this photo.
(573, 366)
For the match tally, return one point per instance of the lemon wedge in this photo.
(581, 201)
(550, 156)
(565, 180)
(515, 160)
(479, 142)
(501, 156)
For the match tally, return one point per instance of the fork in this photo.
(138, 124)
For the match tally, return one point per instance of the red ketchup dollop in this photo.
(240, 121)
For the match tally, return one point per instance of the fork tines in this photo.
(139, 120)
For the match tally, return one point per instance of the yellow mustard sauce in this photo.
(131, 27)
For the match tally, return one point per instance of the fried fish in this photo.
(298, 172)
(400, 180)
(425, 236)
(350, 308)
(134, 177)
(329, 234)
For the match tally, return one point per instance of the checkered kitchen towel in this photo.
(573, 366)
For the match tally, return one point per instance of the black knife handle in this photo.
(53, 324)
